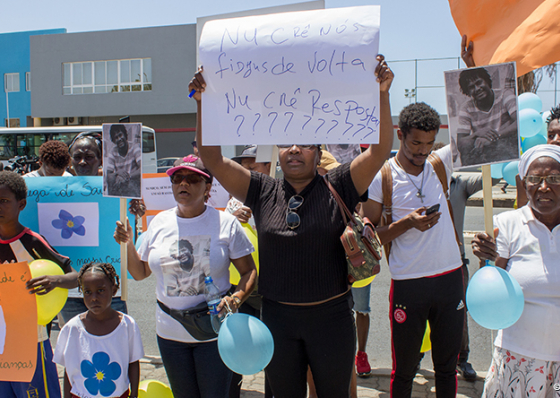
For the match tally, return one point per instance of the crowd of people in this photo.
(317, 320)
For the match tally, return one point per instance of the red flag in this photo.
(525, 31)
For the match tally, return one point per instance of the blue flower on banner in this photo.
(69, 224)
(99, 374)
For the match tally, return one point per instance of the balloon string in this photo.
(229, 311)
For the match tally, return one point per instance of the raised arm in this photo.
(365, 166)
(138, 269)
(234, 178)
(467, 52)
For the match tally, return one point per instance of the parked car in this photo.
(165, 164)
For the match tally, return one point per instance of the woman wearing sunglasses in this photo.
(526, 359)
(181, 247)
(303, 273)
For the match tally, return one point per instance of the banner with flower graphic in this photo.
(74, 217)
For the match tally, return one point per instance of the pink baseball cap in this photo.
(191, 163)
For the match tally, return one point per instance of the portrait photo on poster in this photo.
(483, 114)
(122, 160)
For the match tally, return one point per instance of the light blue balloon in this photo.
(494, 298)
(530, 142)
(496, 170)
(139, 241)
(529, 101)
(530, 122)
(245, 344)
(509, 171)
(544, 129)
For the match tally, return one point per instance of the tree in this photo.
(530, 82)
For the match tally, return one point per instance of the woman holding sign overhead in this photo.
(303, 278)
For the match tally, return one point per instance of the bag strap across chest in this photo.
(387, 187)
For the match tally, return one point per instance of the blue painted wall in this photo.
(14, 58)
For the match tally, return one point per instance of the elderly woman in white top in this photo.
(526, 360)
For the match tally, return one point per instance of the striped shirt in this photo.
(471, 119)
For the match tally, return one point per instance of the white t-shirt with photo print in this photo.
(181, 252)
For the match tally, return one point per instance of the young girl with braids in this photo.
(100, 348)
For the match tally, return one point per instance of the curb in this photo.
(376, 372)
(152, 360)
(500, 202)
(425, 373)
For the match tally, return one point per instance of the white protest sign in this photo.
(299, 77)
(157, 192)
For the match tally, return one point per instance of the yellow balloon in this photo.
(252, 235)
(426, 342)
(50, 304)
(364, 282)
(153, 389)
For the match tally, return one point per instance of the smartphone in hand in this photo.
(432, 209)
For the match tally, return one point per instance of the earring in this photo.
(319, 163)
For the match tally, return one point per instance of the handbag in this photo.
(195, 320)
(360, 242)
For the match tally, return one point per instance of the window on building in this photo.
(115, 76)
(11, 82)
(14, 122)
(27, 81)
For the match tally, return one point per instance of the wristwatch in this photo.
(237, 300)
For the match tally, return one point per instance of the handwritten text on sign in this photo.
(18, 324)
(301, 77)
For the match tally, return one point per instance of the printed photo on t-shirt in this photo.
(186, 266)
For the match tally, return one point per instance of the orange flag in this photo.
(18, 328)
(525, 31)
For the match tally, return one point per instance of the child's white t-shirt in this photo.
(97, 366)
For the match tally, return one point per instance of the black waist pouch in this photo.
(195, 320)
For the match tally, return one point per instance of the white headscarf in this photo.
(532, 154)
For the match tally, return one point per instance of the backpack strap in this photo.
(387, 215)
(439, 168)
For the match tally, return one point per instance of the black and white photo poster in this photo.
(122, 160)
(483, 115)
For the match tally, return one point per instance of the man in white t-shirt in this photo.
(425, 261)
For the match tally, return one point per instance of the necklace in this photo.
(418, 190)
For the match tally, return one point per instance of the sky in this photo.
(410, 29)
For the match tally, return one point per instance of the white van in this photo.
(25, 141)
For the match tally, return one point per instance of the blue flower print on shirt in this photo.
(69, 224)
(99, 374)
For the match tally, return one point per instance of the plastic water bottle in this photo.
(213, 298)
